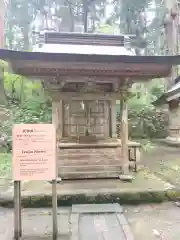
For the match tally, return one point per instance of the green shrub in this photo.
(33, 110)
(145, 122)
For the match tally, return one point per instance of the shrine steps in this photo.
(89, 175)
(89, 171)
(86, 163)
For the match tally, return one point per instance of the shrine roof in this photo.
(90, 48)
(84, 49)
(174, 88)
(111, 61)
(103, 57)
(172, 94)
(75, 55)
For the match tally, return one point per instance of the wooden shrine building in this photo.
(85, 74)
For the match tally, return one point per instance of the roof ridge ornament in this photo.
(53, 37)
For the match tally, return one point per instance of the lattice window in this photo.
(90, 117)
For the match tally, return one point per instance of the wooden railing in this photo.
(133, 158)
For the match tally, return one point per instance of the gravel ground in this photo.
(152, 222)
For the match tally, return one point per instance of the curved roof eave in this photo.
(11, 55)
(85, 49)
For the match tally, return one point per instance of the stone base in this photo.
(126, 178)
(172, 141)
(146, 187)
(58, 180)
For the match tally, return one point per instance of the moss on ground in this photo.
(122, 198)
(133, 198)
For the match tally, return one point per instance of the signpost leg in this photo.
(17, 211)
(20, 218)
(54, 210)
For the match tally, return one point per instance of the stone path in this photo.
(150, 222)
(37, 224)
(98, 222)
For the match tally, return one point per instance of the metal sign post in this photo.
(17, 210)
(54, 210)
(34, 158)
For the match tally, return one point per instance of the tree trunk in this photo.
(2, 13)
(85, 15)
(3, 99)
(25, 32)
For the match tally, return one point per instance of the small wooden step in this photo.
(90, 168)
(93, 174)
(86, 162)
(88, 151)
(80, 156)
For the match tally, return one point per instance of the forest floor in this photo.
(163, 161)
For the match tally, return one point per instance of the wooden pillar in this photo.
(61, 120)
(55, 113)
(113, 118)
(124, 133)
(57, 117)
(55, 121)
(124, 138)
(174, 125)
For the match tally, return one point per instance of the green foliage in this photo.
(157, 90)
(33, 110)
(17, 87)
(5, 166)
(145, 121)
(106, 29)
(26, 104)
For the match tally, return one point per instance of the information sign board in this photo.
(34, 152)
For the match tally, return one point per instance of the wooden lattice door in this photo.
(83, 116)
